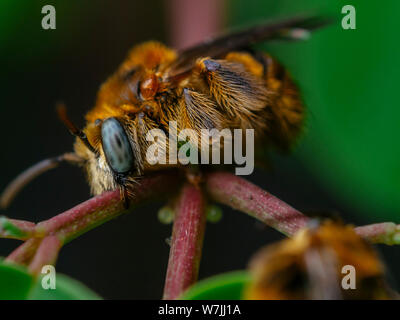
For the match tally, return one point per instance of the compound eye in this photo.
(116, 146)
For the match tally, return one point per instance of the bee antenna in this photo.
(62, 114)
(23, 179)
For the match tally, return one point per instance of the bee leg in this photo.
(123, 190)
(124, 196)
(126, 199)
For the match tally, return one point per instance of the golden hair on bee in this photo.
(218, 84)
(310, 266)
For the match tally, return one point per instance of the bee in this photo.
(221, 83)
(315, 263)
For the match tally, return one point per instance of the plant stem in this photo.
(186, 243)
(16, 229)
(24, 253)
(189, 225)
(46, 254)
(98, 210)
(93, 212)
(242, 195)
(384, 233)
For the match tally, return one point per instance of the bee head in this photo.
(116, 160)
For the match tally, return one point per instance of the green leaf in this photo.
(226, 286)
(17, 284)
(66, 289)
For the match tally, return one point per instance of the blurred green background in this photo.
(346, 161)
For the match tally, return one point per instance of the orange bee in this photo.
(219, 84)
(317, 263)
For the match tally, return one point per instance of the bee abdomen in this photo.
(283, 113)
(286, 108)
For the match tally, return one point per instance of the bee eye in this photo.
(116, 146)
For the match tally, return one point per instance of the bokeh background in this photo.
(347, 161)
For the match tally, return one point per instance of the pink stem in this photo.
(25, 229)
(385, 233)
(24, 253)
(221, 186)
(96, 211)
(242, 195)
(25, 226)
(193, 21)
(186, 244)
(46, 254)
(93, 212)
(84, 216)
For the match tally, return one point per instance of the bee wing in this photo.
(296, 28)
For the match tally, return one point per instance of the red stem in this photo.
(24, 253)
(93, 212)
(187, 242)
(242, 195)
(25, 226)
(46, 254)
(192, 21)
(384, 232)
(96, 211)
(25, 229)
(189, 225)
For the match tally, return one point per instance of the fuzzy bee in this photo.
(327, 260)
(219, 84)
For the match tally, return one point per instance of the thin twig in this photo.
(24, 253)
(16, 229)
(189, 225)
(186, 243)
(93, 212)
(46, 254)
(384, 233)
(23, 179)
(242, 195)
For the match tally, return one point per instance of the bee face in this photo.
(117, 160)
